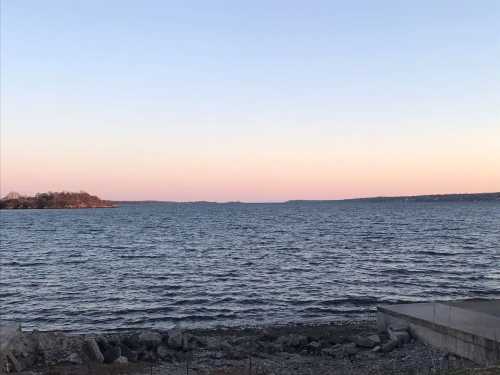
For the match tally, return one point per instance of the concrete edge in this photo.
(456, 333)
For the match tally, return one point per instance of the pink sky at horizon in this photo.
(253, 169)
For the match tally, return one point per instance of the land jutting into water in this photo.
(53, 200)
(347, 347)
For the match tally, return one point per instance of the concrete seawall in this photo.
(469, 329)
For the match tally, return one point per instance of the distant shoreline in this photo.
(84, 200)
(454, 197)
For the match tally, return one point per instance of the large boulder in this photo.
(10, 363)
(112, 354)
(180, 340)
(93, 350)
(103, 343)
(389, 346)
(341, 350)
(399, 335)
(313, 347)
(132, 341)
(9, 333)
(164, 352)
(366, 341)
(150, 339)
(176, 339)
(18, 350)
(56, 347)
(130, 354)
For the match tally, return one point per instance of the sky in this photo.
(249, 100)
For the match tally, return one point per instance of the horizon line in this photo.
(493, 193)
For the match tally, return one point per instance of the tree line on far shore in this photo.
(53, 200)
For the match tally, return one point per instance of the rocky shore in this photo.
(348, 347)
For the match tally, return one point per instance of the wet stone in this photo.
(121, 360)
(150, 339)
(94, 352)
(112, 354)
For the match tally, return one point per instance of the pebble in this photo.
(121, 360)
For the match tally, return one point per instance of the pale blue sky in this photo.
(224, 70)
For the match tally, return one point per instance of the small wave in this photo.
(358, 301)
(437, 253)
(146, 310)
(9, 294)
(323, 311)
(75, 261)
(141, 256)
(193, 301)
(23, 264)
(251, 301)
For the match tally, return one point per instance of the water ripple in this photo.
(160, 265)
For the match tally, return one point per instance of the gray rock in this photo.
(103, 343)
(131, 355)
(132, 341)
(400, 336)
(341, 350)
(11, 364)
(189, 342)
(9, 332)
(164, 352)
(179, 340)
(176, 339)
(23, 347)
(389, 346)
(367, 355)
(73, 358)
(93, 350)
(332, 351)
(313, 347)
(366, 341)
(349, 349)
(251, 345)
(333, 337)
(375, 338)
(401, 326)
(121, 360)
(217, 355)
(267, 335)
(115, 339)
(235, 354)
(54, 347)
(150, 339)
(112, 354)
(293, 341)
(225, 346)
(147, 355)
(270, 347)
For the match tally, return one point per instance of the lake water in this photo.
(160, 265)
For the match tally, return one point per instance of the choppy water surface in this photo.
(158, 265)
